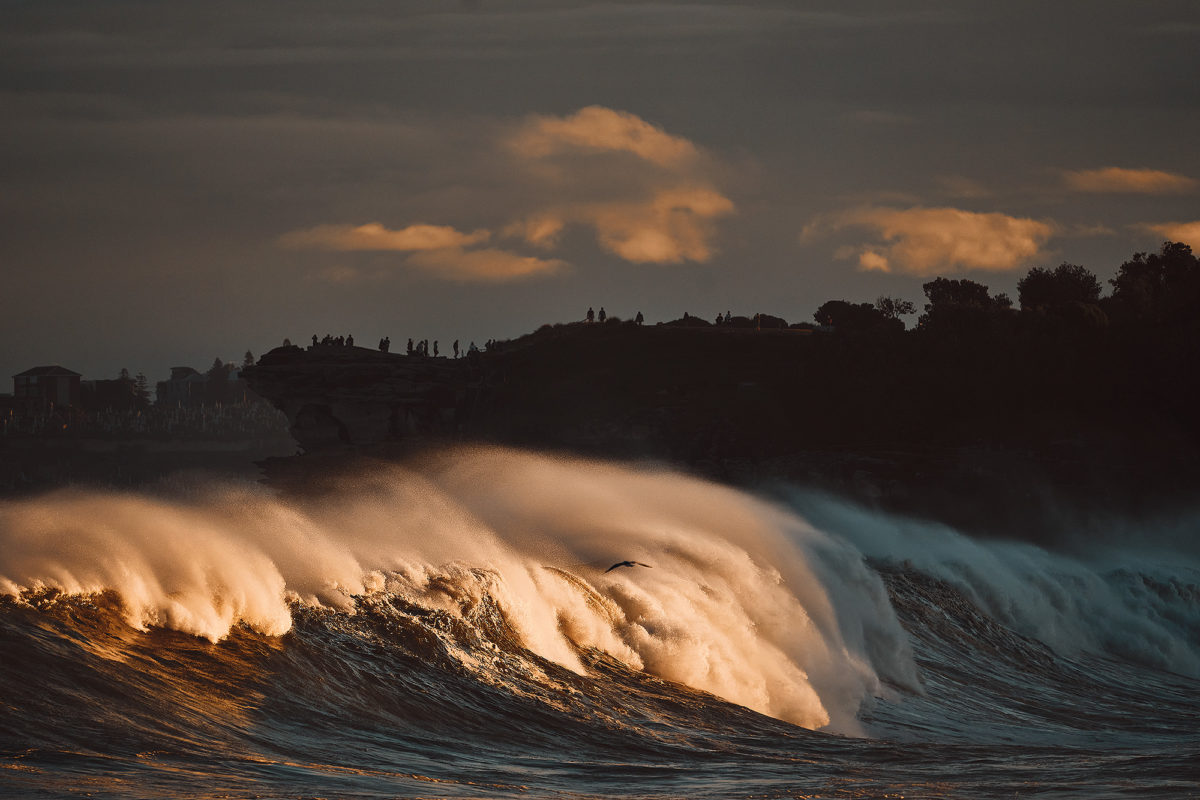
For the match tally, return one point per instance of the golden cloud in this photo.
(437, 249)
(374, 236)
(929, 241)
(1133, 181)
(673, 226)
(871, 260)
(1186, 232)
(540, 230)
(647, 195)
(600, 129)
(487, 264)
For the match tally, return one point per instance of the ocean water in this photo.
(449, 629)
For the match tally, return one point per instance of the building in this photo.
(118, 394)
(43, 388)
(185, 387)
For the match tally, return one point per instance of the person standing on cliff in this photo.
(603, 315)
(591, 315)
(639, 319)
(456, 348)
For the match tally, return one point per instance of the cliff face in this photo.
(615, 389)
(337, 397)
(696, 393)
(993, 430)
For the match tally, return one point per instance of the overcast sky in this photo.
(187, 180)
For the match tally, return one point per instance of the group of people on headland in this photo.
(329, 340)
(592, 316)
(423, 348)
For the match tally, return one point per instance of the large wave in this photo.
(742, 598)
(1133, 594)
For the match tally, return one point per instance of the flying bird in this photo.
(627, 564)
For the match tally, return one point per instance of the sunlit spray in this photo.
(742, 599)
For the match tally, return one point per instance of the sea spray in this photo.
(1131, 596)
(743, 599)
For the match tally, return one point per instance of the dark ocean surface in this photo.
(449, 630)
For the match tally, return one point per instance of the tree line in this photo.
(1149, 289)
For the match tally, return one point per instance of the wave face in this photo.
(449, 628)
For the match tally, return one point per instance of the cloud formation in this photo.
(673, 226)
(647, 196)
(1129, 181)
(600, 129)
(488, 264)
(930, 241)
(660, 207)
(439, 250)
(1186, 232)
(374, 236)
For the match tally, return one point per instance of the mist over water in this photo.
(742, 598)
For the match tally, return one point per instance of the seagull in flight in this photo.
(626, 564)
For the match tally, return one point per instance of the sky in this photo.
(188, 180)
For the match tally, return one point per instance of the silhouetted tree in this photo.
(847, 316)
(1159, 286)
(1067, 283)
(141, 390)
(894, 307)
(248, 359)
(959, 306)
(770, 322)
(962, 293)
(216, 385)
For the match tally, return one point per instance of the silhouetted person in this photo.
(350, 340)
(410, 346)
(473, 348)
(387, 343)
(603, 315)
(314, 340)
(639, 319)
(435, 348)
(718, 317)
(591, 315)
(456, 348)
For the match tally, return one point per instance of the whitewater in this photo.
(448, 627)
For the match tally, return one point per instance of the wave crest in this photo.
(743, 599)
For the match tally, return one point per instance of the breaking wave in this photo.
(742, 598)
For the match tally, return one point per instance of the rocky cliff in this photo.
(995, 430)
(342, 397)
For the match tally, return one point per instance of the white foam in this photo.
(1121, 599)
(743, 599)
